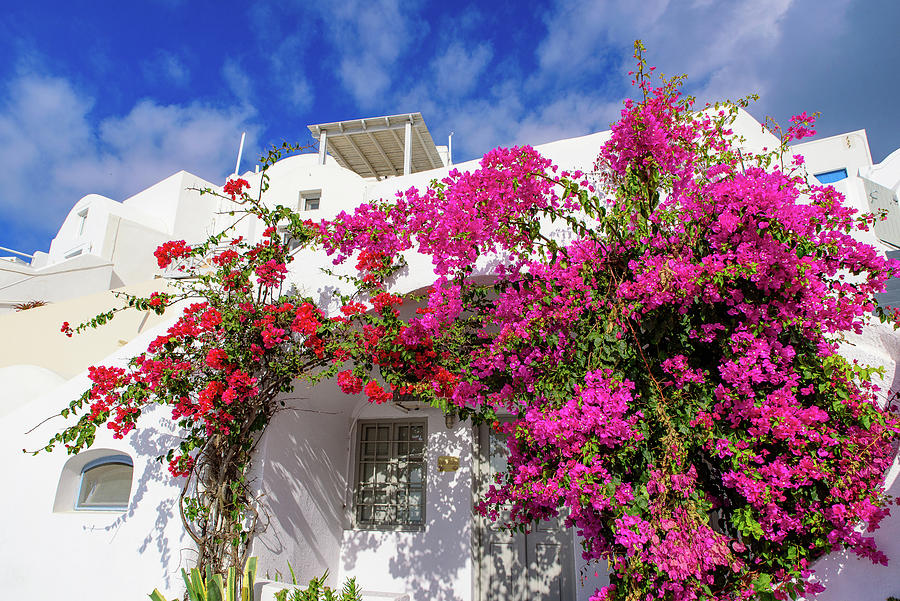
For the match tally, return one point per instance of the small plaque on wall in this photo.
(447, 463)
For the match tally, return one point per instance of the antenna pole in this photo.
(450, 149)
(237, 165)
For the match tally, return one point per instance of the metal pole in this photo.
(323, 144)
(450, 150)
(9, 250)
(407, 149)
(237, 166)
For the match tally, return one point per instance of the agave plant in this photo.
(318, 591)
(29, 305)
(214, 587)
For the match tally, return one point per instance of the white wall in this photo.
(106, 556)
(33, 337)
(89, 236)
(848, 151)
(81, 275)
(305, 467)
(301, 475)
(434, 564)
(22, 383)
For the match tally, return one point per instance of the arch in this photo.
(95, 480)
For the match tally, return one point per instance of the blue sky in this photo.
(110, 97)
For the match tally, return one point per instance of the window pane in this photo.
(105, 486)
(829, 177)
(391, 474)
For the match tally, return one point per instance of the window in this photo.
(390, 475)
(829, 177)
(309, 201)
(285, 234)
(105, 484)
(82, 216)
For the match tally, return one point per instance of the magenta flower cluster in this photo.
(670, 375)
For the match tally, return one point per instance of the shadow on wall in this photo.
(303, 487)
(430, 563)
(150, 443)
(145, 529)
(844, 574)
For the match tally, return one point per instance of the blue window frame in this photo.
(829, 177)
(105, 484)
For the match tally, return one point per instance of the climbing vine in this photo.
(661, 334)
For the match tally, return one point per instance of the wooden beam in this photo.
(361, 155)
(425, 150)
(339, 157)
(397, 139)
(382, 153)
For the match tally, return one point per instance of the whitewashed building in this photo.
(310, 468)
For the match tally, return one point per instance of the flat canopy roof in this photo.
(376, 146)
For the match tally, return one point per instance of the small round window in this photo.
(105, 484)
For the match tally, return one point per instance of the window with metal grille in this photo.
(309, 200)
(390, 475)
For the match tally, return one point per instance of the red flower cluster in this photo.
(217, 358)
(349, 383)
(351, 309)
(271, 273)
(169, 251)
(66, 329)
(306, 320)
(159, 300)
(181, 466)
(376, 393)
(226, 257)
(234, 187)
(382, 300)
(369, 260)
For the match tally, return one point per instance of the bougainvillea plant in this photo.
(663, 334)
(660, 336)
(242, 338)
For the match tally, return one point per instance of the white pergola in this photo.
(375, 146)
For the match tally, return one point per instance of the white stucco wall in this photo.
(306, 460)
(33, 337)
(22, 383)
(301, 475)
(886, 173)
(79, 276)
(848, 151)
(434, 564)
(84, 228)
(90, 554)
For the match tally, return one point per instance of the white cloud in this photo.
(168, 68)
(727, 48)
(457, 70)
(581, 32)
(54, 152)
(237, 80)
(369, 37)
(287, 66)
(364, 79)
(567, 116)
